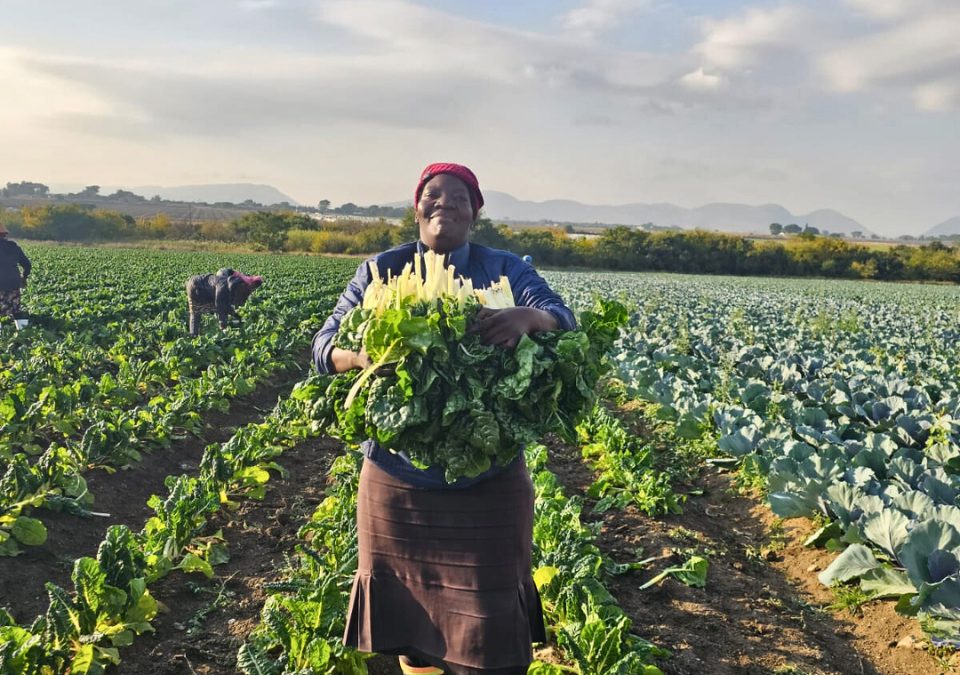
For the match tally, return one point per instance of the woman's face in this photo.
(444, 213)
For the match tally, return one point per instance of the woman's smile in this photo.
(444, 216)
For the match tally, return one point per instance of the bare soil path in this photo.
(761, 609)
(208, 620)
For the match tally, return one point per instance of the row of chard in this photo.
(156, 384)
(82, 631)
(108, 330)
(55, 480)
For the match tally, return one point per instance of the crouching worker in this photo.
(219, 294)
(12, 258)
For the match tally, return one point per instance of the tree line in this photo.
(617, 248)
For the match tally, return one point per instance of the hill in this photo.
(723, 217)
(233, 193)
(947, 227)
(719, 216)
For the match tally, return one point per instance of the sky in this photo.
(852, 105)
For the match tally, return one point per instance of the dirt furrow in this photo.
(754, 616)
(123, 496)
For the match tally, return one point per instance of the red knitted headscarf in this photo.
(458, 170)
(253, 280)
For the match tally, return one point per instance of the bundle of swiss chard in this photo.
(438, 394)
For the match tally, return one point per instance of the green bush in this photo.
(299, 240)
(330, 242)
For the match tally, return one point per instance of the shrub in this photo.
(330, 242)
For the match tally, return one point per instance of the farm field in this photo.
(746, 419)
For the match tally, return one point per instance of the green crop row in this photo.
(110, 604)
(842, 400)
(151, 397)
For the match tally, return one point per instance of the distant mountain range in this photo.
(951, 226)
(734, 218)
(722, 217)
(235, 193)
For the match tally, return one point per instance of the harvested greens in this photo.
(438, 394)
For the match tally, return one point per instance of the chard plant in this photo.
(446, 399)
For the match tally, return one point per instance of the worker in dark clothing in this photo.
(219, 294)
(12, 258)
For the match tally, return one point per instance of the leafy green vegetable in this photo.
(29, 531)
(693, 572)
(450, 401)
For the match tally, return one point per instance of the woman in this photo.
(218, 294)
(444, 575)
(12, 258)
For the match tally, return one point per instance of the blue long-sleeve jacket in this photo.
(482, 266)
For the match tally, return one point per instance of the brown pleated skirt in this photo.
(445, 575)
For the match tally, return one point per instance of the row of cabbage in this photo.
(843, 395)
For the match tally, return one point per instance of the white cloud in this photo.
(387, 72)
(396, 62)
(758, 58)
(700, 80)
(918, 54)
(397, 39)
(905, 49)
(894, 9)
(744, 42)
(36, 95)
(257, 5)
(209, 100)
(596, 16)
(938, 96)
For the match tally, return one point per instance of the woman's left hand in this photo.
(505, 327)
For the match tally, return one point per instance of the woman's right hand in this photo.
(363, 359)
(344, 360)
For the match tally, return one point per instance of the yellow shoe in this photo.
(418, 670)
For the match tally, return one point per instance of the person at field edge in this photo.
(12, 258)
(219, 294)
(444, 577)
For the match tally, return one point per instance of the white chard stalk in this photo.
(498, 296)
(430, 280)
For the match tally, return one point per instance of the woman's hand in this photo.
(344, 360)
(505, 327)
